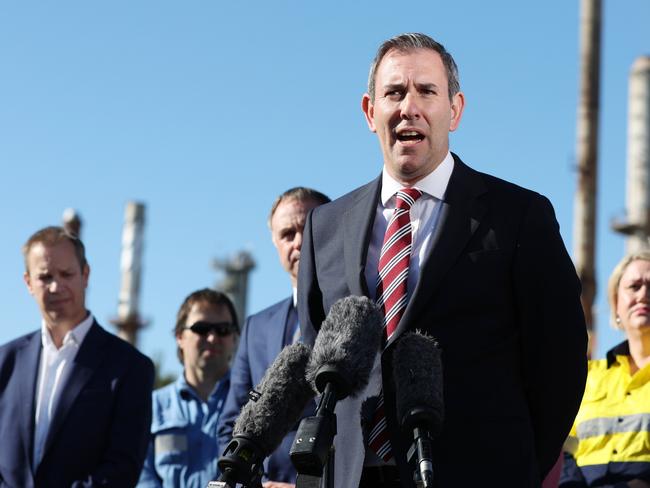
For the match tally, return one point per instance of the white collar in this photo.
(434, 184)
(75, 336)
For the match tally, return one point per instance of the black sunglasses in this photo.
(222, 329)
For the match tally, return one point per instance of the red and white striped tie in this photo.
(391, 295)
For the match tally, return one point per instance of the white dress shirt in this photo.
(293, 334)
(55, 366)
(424, 217)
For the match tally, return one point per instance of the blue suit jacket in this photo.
(99, 433)
(261, 341)
(501, 296)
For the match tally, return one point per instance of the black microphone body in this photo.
(340, 366)
(274, 409)
(417, 374)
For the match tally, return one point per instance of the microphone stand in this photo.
(312, 452)
(420, 452)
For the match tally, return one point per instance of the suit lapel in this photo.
(460, 216)
(90, 355)
(27, 361)
(357, 231)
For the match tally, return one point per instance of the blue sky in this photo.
(207, 110)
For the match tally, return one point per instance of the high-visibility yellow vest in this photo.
(612, 427)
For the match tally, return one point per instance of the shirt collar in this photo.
(74, 336)
(622, 349)
(185, 389)
(434, 184)
(295, 297)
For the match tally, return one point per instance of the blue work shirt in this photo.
(183, 451)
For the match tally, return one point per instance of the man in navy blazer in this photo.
(489, 277)
(75, 401)
(267, 332)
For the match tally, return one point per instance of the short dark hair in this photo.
(408, 42)
(204, 295)
(51, 236)
(300, 193)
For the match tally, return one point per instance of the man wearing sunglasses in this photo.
(267, 332)
(183, 452)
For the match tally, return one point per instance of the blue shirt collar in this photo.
(184, 388)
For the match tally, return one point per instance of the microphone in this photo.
(275, 407)
(340, 366)
(417, 374)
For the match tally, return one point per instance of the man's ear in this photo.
(85, 273)
(369, 111)
(457, 107)
(28, 282)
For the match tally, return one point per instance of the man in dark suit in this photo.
(267, 332)
(75, 401)
(488, 277)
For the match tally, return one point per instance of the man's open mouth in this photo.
(409, 136)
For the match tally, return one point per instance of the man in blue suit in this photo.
(472, 260)
(267, 332)
(75, 401)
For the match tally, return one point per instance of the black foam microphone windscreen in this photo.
(283, 395)
(346, 346)
(417, 372)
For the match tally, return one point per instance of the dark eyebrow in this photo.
(393, 87)
(429, 86)
(632, 281)
(400, 87)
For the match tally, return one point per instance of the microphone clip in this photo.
(419, 422)
(241, 462)
(315, 435)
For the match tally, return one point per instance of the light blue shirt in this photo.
(183, 451)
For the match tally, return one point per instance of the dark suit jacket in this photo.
(500, 294)
(261, 341)
(99, 433)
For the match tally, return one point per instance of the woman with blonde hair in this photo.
(610, 440)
